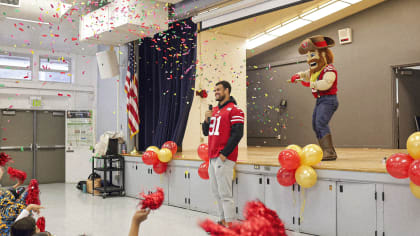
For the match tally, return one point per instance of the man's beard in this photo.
(320, 63)
(221, 98)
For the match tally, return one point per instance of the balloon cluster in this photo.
(203, 153)
(403, 166)
(259, 221)
(159, 158)
(296, 165)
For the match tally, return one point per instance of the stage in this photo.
(349, 159)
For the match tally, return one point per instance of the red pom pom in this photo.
(33, 193)
(40, 223)
(260, 221)
(216, 229)
(152, 201)
(16, 174)
(4, 158)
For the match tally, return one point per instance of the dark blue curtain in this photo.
(167, 64)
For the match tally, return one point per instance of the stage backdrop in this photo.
(166, 82)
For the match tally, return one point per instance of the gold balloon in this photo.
(415, 190)
(311, 155)
(165, 155)
(296, 148)
(153, 148)
(306, 176)
(413, 145)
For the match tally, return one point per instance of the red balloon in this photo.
(286, 177)
(289, 159)
(398, 164)
(203, 170)
(150, 158)
(203, 152)
(414, 172)
(171, 145)
(160, 167)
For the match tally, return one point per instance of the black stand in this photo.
(111, 163)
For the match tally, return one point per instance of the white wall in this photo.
(220, 57)
(82, 90)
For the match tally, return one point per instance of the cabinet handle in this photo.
(260, 180)
(136, 167)
(188, 200)
(293, 189)
(188, 175)
(293, 220)
(185, 175)
(341, 188)
(268, 181)
(185, 200)
(151, 171)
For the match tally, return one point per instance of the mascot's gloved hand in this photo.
(306, 83)
(294, 78)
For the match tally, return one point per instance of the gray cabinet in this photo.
(179, 186)
(201, 196)
(356, 209)
(319, 213)
(283, 200)
(401, 211)
(250, 188)
(130, 178)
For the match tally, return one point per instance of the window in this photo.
(53, 69)
(15, 66)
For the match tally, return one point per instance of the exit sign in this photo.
(35, 101)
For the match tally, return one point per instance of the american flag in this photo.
(131, 88)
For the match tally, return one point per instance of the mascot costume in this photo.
(322, 78)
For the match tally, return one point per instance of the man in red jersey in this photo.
(322, 78)
(224, 125)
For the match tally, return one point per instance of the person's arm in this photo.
(305, 75)
(27, 211)
(206, 125)
(326, 82)
(138, 217)
(236, 133)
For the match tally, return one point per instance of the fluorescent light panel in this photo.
(260, 40)
(289, 27)
(24, 20)
(325, 11)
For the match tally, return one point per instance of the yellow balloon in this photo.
(311, 155)
(413, 145)
(165, 155)
(306, 176)
(153, 148)
(415, 190)
(296, 148)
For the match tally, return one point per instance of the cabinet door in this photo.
(283, 200)
(200, 194)
(178, 186)
(356, 209)
(401, 211)
(142, 179)
(159, 180)
(250, 188)
(130, 176)
(319, 212)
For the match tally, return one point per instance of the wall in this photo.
(409, 104)
(383, 36)
(220, 57)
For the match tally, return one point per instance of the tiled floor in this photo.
(71, 212)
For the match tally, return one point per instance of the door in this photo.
(50, 147)
(179, 186)
(250, 188)
(16, 139)
(130, 179)
(159, 180)
(319, 211)
(202, 198)
(356, 209)
(283, 200)
(401, 211)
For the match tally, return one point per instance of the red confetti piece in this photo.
(21, 29)
(73, 39)
(60, 94)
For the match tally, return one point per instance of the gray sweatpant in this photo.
(221, 174)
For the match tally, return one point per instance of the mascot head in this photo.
(318, 52)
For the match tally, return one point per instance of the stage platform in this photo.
(349, 159)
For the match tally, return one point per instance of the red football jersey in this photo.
(220, 126)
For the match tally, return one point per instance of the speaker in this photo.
(108, 64)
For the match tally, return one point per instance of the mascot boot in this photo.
(327, 148)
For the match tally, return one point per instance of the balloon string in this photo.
(302, 206)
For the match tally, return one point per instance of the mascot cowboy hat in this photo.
(315, 42)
